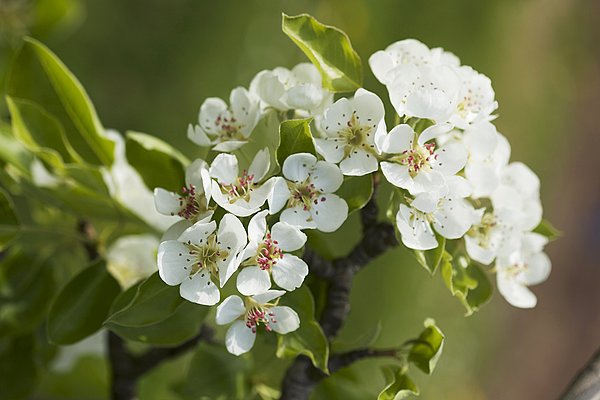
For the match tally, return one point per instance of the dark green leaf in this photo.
(309, 339)
(427, 348)
(295, 137)
(329, 49)
(156, 314)
(148, 154)
(82, 305)
(431, 259)
(9, 223)
(545, 228)
(18, 367)
(399, 385)
(466, 281)
(357, 191)
(214, 373)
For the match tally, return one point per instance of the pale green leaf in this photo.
(427, 348)
(357, 191)
(294, 137)
(399, 385)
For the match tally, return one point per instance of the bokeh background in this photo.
(148, 65)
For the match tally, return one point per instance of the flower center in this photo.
(240, 189)
(229, 127)
(418, 158)
(257, 314)
(516, 268)
(482, 231)
(304, 194)
(268, 253)
(206, 256)
(355, 135)
(190, 203)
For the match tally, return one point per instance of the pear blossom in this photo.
(305, 193)
(431, 92)
(494, 233)
(524, 267)
(200, 256)
(226, 128)
(132, 258)
(299, 89)
(193, 202)
(476, 101)
(407, 51)
(350, 126)
(414, 163)
(519, 191)
(241, 194)
(267, 254)
(247, 315)
(450, 215)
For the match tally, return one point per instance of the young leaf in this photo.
(545, 228)
(9, 223)
(427, 348)
(294, 137)
(431, 259)
(148, 154)
(329, 49)
(82, 305)
(399, 385)
(85, 132)
(466, 281)
(357, 191)
(309, 339)
(155, 314)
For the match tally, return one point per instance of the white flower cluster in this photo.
(444, 156)
(453, 167)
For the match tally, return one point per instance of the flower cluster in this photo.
(243, 215)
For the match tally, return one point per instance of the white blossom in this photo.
(240, 194)
(193, 202)
(450, 215)
(298, 89)
(305, 193)
(414, 163)
(200, 256)
(132, 258)
(267, 254)
(494, 233)
(350, 126)
(226, 128)
(525, 267)
(476, 101)
(247, 315)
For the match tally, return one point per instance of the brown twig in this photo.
(586, 385)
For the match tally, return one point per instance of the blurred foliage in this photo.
(148, 65)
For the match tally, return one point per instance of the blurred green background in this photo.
(148, 65)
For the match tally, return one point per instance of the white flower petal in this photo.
(450, 158)
(166, 203)
(397, 175)
(515, 293)
(174, 262)
(200, 289)
(268, 296)
(175, 230)
(289, 272)
(298, 216)
(198, 136)
(286, 320)
(359, 162)
(193, 175)
(454, 218)
(212, 108)
(337, 116)
(260, 165)
(253, 280)
(224, 168)
(288, 237)
(228, 146)
(326, 177)
(197, 233)
(239, 339)
(257, 227)
(329, 213)
(368, 106)
(244, 108)
(229, 310)
(279, 195)
(399, 140)
(332, 149)
(415, 231)
(297, 166)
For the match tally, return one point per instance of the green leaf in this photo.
(309, 339)
(13, 152)
(545, 228)
(82, 305)
(39, 131)
(427, 348)
(155, 314)
(357, 191)
(214, 373)
(26, 284)
(399, 385)
(466, 281)
(329, 49)
(295, 137)
(9, 223)
(148, 154)
(85, 132)
(431, 259)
